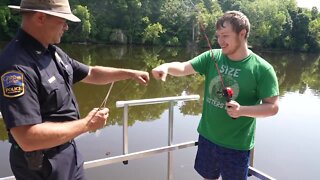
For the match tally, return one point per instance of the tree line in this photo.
(277, 24)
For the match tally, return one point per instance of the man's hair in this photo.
(238, 21)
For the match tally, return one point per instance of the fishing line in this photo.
(209, 45)
(227, 92)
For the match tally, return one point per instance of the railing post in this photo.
(170, 128)
(125, 131)
(170, 139)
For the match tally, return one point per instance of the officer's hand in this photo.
(96, 119)
(160, 72)
(233, 109)
(141, 77)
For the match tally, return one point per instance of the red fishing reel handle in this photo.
(228, 93)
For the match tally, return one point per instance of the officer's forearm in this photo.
(104, 75)
(47, 134)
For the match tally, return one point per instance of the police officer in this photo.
(37, 102)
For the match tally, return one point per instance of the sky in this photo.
(309, 3)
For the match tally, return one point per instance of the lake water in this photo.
(286, 144)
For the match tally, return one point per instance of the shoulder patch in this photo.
(12, 84)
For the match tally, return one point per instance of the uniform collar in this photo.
(31, 43)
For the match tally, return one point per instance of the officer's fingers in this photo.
(104, 111)
(105, 116)
(96, 123)
(96, 113)
(91, 114)
(94, 110)
(143, 80)
(146, 77)
(106, 119)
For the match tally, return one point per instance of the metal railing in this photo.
(142, 154)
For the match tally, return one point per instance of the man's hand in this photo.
(96, 119)
(160, 72)
(233, 109)
(141, 77)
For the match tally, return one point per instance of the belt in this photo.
(54, 150)
(57, 149)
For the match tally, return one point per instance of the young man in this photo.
(226, 129)
(37, 102)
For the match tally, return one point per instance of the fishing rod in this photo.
(227, 92)
(104, 102)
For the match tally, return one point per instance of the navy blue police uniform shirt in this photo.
(36, 83)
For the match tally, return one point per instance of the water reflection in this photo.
(295, 71)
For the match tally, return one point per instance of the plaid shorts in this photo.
(213, 161)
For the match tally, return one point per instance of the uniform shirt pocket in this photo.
(55, 92)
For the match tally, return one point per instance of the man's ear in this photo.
(243, 33)
(39, 18)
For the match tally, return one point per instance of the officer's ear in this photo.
(39, 18)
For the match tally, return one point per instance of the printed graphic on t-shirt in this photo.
(216, 97)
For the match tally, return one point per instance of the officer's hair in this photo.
(23, 13)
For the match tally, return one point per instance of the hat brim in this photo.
(67, 16)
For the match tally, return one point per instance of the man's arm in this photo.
(50, 134)
(269, 107)
(174, 69)
(105, 75)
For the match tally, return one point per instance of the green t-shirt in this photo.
(252, 79)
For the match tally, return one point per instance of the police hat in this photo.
(59, 8)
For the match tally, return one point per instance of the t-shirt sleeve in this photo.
(268, 85)
(200, 63)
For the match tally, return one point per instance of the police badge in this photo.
(12, 84)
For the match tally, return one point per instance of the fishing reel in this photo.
(227, 93)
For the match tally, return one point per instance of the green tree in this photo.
(83, 13)
(80, 31)
(182, 18)
(314, 37)
(314, 13)
(4, 18)
(268, 20)
(300, 30)
(152, 32)
(175, 17)
(227, 5)
(9, 23)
